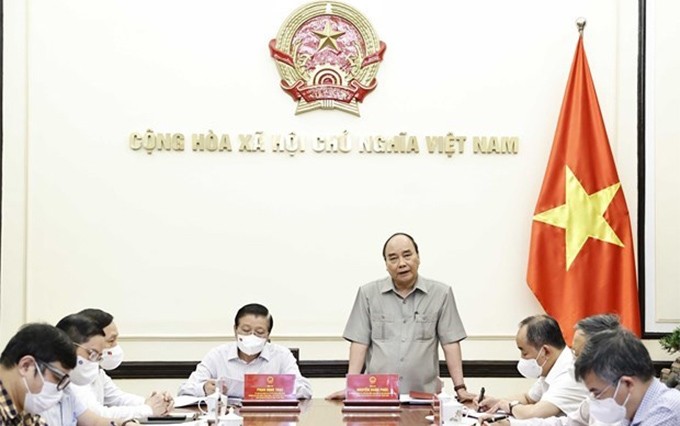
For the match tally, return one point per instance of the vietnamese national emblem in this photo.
(327, 54)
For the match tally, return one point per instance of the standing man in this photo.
(397, 322)
(34, 369)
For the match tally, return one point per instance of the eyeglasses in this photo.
(92, 354)
(598, 395)
(64, 378)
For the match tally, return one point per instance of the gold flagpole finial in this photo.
(580, 24)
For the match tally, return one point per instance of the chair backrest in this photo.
(296, 354)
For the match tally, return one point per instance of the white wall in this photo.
(662, 205)
(174, 242)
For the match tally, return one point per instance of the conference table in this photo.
(319, 412)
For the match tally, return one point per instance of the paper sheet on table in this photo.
(186, 400)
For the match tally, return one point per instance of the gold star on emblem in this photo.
(582, 216)
(328, 37)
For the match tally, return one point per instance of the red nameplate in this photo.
(362, 387)
(269, 387)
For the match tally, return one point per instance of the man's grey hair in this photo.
(597, 323)
(614, 353)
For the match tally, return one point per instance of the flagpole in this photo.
(580, 24)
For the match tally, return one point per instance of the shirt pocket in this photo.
(381, 327)
(425, 327)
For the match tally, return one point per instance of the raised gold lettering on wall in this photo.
(292, 144)
(150, 141)
(246, 143)
(225, 143)
(332, 144)
(495, 145)
(398, 144)
(448, 145)
(135, 141)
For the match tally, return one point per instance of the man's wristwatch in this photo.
(511, 405)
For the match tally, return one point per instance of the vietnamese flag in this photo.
(581, 259)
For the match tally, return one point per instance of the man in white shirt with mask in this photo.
(546, 357)
(618, 371)
(250, 353)
(89, 343)
(583, 330)
(101, 395)
(34, 369)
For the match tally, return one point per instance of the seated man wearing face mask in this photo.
(250, 353)
(618, 371)
(546, 357)
(101, 395)
(88, 341)
(34, 370)
(583, 330)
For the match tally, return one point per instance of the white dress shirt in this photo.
(66, 411)
(580, 417)
(224, 362)
(560, 387)
(106, 399)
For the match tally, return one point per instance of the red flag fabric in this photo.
(581, 259)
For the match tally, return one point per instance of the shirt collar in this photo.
(652, 394)
(6, 403)
(387, 285)
(562, 363)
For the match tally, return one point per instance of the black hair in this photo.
(43, 342)
(614, 353)
(257, 310)
(101, 318)
(597, 323)
(543, 330)
(79, 328)
(394, 235)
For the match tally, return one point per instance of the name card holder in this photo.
(371, 394)
(269, 393)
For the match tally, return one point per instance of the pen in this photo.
(481, 395)
(496, 419)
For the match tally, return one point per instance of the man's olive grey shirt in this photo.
(402, 333)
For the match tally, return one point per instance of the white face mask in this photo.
(112, 358)
(530, 368)
(85, 372)
(608, 411)
(49, 396)
(250, 344)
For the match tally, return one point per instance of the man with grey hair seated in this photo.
(546, 357)
(618, 371)
(584, 329)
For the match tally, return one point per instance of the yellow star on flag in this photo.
(328, 37)
(582, 216)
